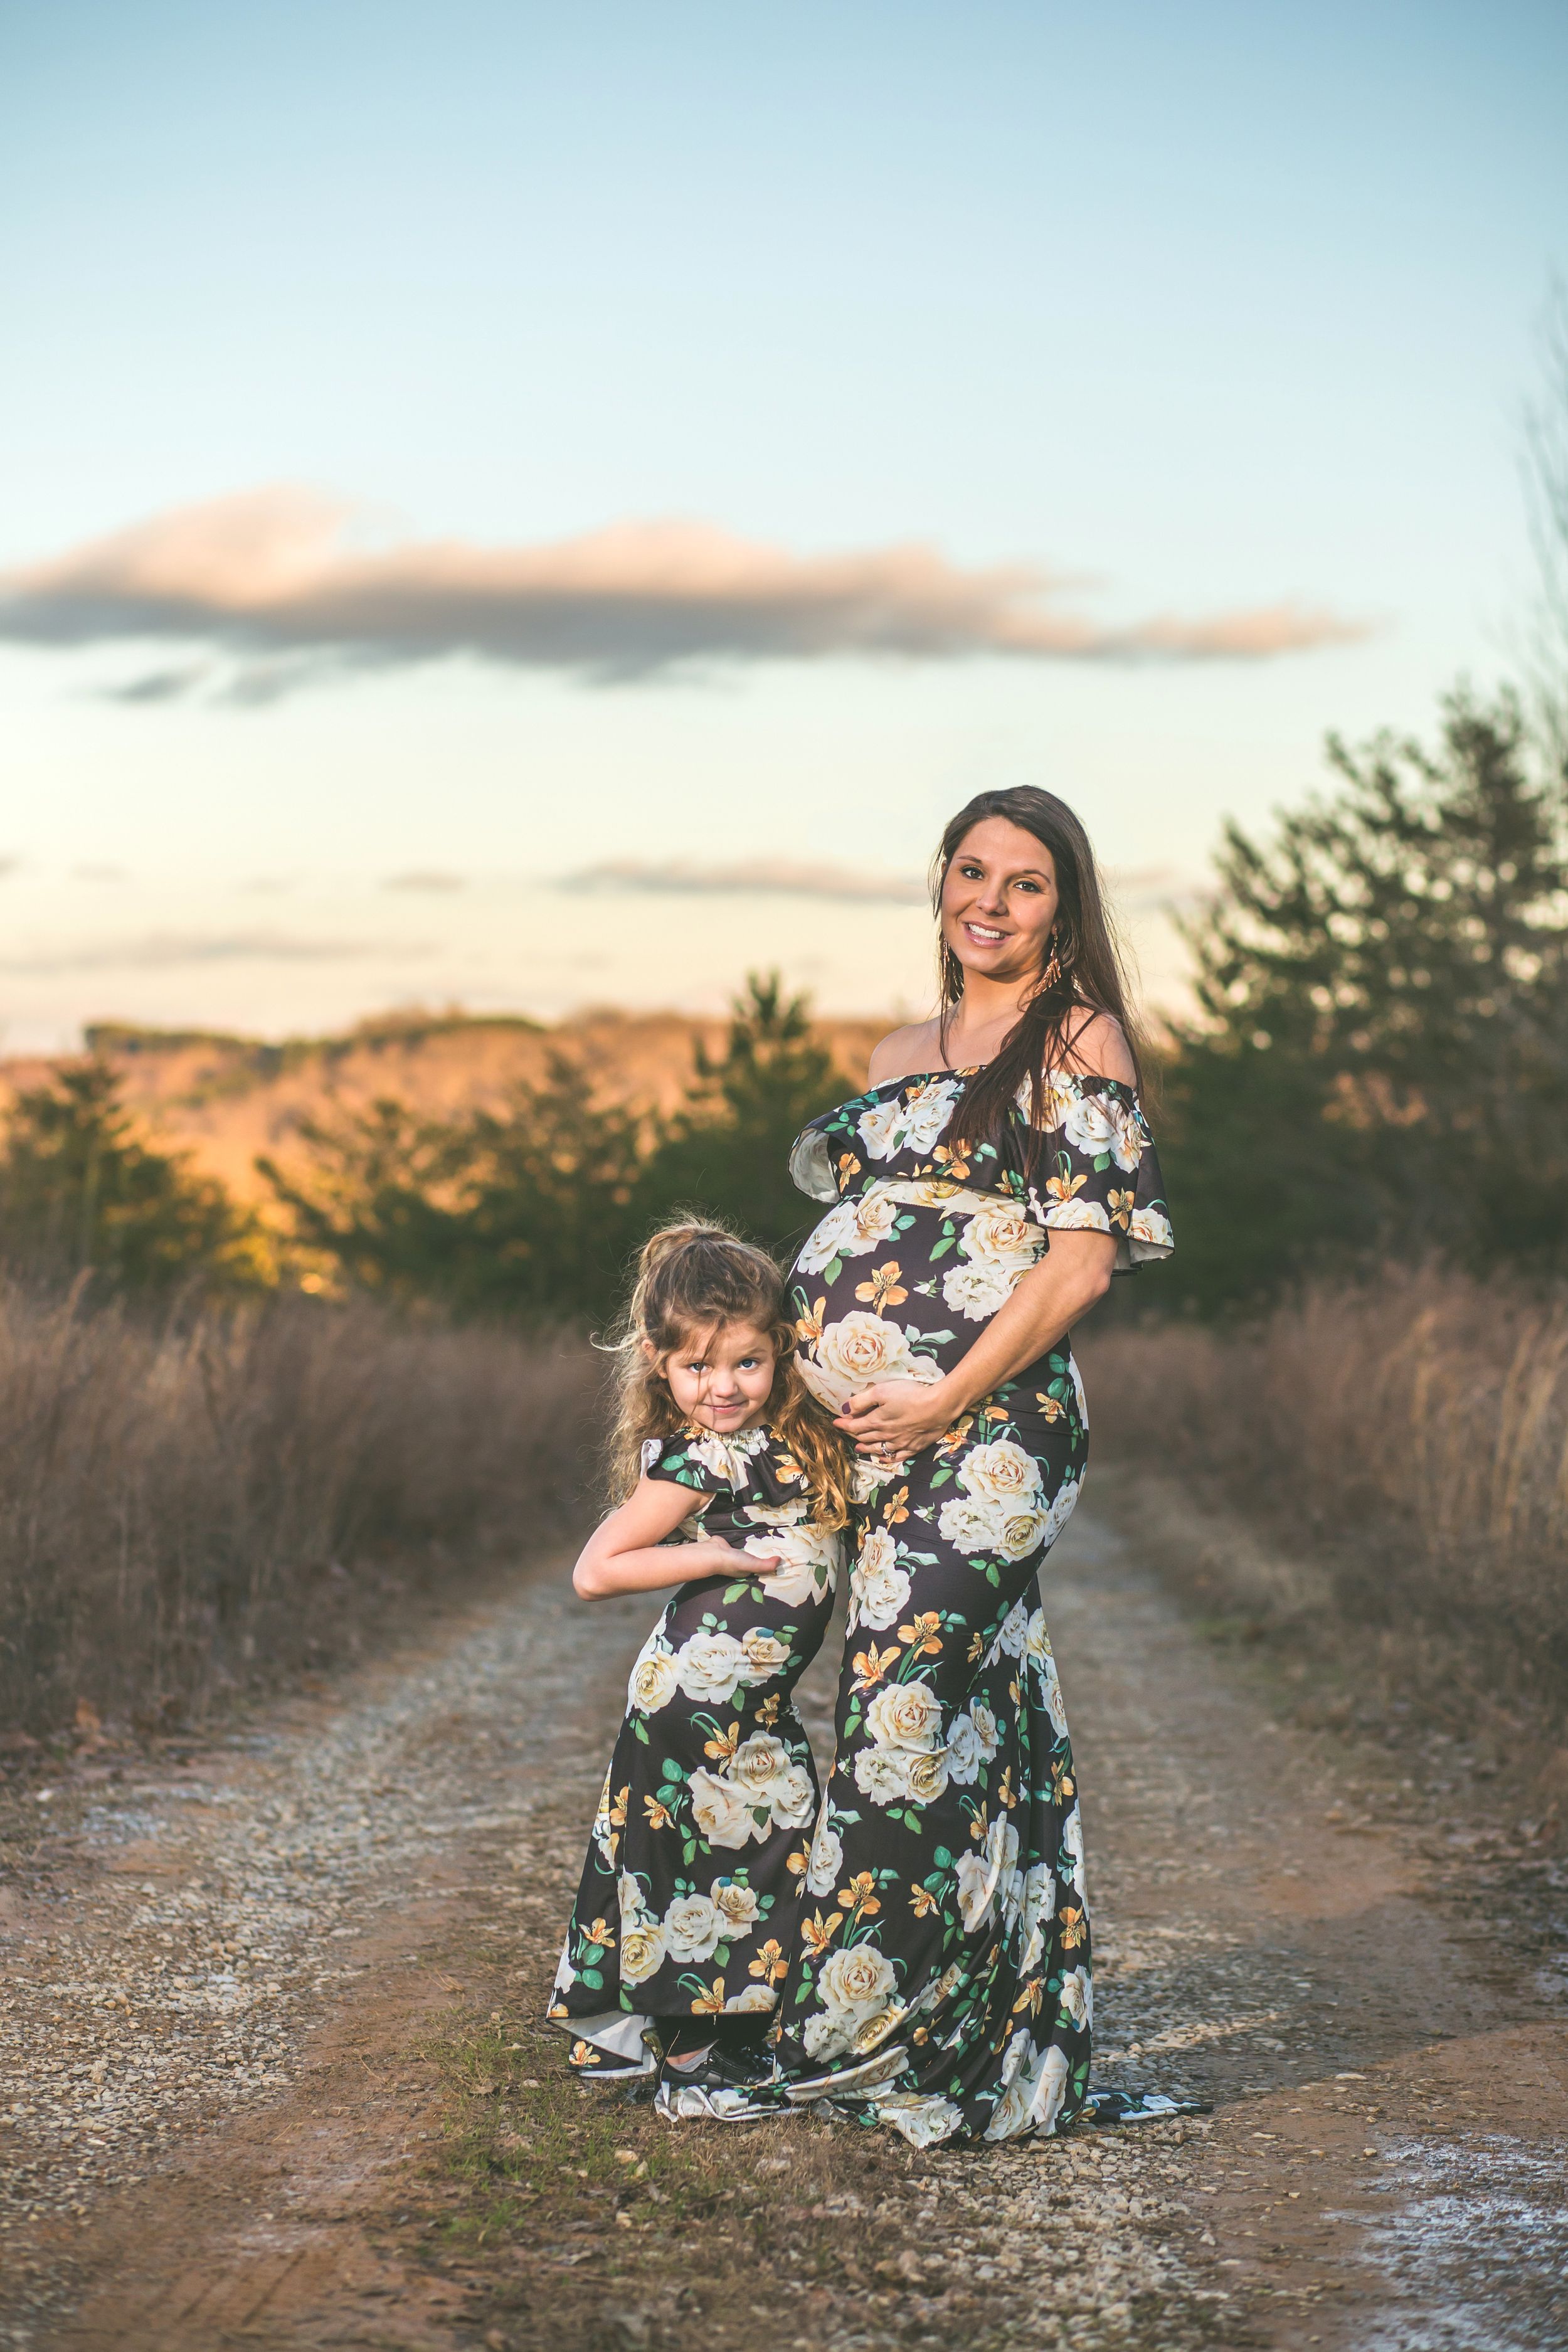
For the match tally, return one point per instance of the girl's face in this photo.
(721, 1379)
(999, 900)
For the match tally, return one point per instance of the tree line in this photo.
(1377, 1068)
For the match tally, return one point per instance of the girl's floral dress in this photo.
(686, 1903)
(942, 1978)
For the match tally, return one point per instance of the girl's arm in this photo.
(1045, 1302)
(625, 1552)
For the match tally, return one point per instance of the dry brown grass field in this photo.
(191, 1507)
(1391, 1458)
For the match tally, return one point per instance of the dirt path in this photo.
(271, 2075)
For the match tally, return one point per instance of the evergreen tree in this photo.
(1383, 1056)
(80, 1190)
(526, 1211)
(726, 1151)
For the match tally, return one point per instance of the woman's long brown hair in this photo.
(1089, 976)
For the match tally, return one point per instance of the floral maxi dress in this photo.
(687, 1903)
(941, 1981)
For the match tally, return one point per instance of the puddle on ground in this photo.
(1474, 2246)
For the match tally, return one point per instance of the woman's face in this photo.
(999, 901)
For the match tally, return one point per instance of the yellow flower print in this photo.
(1051, 1408)
(1005, 1794)
(1034, 1992)
(1070, 1919)
(660, 1817)
(601, 1932)
(1063, 1785)
(976, 1648)
(896, 1508)
(787, 1470)
(922, 1902)
(770, 1963)
(767, 1714)
(994, 1412)
(618, 1815)
(709, 2003)
(798, 1863)
(871, 1664)
(584, 2055)
(1062, 1188)
(1119, 1205)
(724, 1747)
(859, 1897)
(921, 1636)
(957, 1165)
(847, 1166)
(808, 1327)
(818, 1932)
(883, 1290)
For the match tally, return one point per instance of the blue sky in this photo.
(1195, 312)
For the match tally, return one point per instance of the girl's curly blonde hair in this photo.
(691, 1280)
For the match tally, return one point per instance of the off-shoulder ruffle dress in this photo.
(688, 1902)
(941, 1980)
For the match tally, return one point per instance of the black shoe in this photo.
(726, 2084)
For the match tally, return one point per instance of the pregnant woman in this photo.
(995, 1174)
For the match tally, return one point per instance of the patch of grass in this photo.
(583, 2220)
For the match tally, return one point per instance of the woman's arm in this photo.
(627, 1552)
(1045, 1302)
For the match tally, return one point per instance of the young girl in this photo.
(735, 1484)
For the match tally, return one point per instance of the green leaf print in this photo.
(592, 1978)
(941, 1859)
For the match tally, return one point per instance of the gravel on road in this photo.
(221, 1975)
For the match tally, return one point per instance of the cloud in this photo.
(755, 876)
(158, 685)
(163, 951)
(289, 582)
(424, 881)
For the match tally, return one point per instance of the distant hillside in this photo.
(228, 1098)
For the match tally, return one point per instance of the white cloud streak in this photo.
(285, 581)
(163, 951)
(757, 876)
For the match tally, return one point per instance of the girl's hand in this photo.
(892, 1419)
(711, 1556)
(628, 1551)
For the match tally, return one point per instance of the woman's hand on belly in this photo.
(893, 1418)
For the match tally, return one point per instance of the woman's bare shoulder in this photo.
(1098, 1047)
(904, 1052)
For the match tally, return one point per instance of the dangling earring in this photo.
(1053, 970)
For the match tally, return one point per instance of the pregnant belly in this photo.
(898, 1287)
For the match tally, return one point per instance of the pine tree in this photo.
(726, 1151)
(1381, 1060)
(80, 1190)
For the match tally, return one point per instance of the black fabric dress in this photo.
(942, 1979)
(687, 1903)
